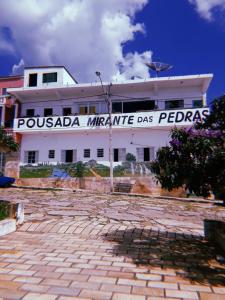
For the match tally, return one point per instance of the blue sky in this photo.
(178, 35)
(173, 30)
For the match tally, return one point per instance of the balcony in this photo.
(159, 118)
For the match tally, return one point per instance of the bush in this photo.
(195, 157)
(130, 157)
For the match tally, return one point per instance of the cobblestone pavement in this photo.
(78, 245)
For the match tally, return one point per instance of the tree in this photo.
(195, 157)
(7, 142)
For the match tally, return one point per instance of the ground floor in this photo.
(55, 148)
(89, 246)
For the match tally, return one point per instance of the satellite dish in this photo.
(159, 67)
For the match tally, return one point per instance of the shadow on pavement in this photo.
(190, 256)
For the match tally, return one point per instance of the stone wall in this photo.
(141, 185)
(12, 168)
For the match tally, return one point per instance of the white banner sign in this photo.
(168, 118)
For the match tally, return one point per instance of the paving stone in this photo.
(118, 296)
(36, 296)
(182, 294)
(109, 247)
(211, 296)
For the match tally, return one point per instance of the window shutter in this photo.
(26, 157)
(74, 155)
(140, 154)
(152, 153)
(63, 156)
(122, 154)
(36, 156)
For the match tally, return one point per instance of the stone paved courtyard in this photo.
(78, 245)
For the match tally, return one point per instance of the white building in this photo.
(62, 121)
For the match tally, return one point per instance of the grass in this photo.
(4, 210)
(35, 172)
(46, 171)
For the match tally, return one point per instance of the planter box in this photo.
(7, 226)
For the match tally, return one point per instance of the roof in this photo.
(11, 77)
(89, 89)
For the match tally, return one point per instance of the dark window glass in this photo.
(51, 154)
(69, 156)
(9, 116)
(87, 153)
(116, 154)
(172, 104)
(31, 157)
(135, 106)
(33, 79)
(67, 111)
(50, 77)
(146, 154)
(48, 112)
(100, 152)
(30, 112)
(4, 91)
(117, 107)
(197, 103)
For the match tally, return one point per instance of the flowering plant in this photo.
(195, 157)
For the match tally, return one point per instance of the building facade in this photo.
(61, 121)
(9, 109)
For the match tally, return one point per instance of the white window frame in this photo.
(28, 159)
(100, 152)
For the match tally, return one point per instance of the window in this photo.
(87, 153)
(92, 110)
(84, 110)
(30, 112)
(119, 154)
(49, 77)
(117, 107)
(135, 106)
(172, 104)
(145, 154)
(67, 111)
(68, 156)
(197, 103)
(51, 154)
(100, 152)
(4, 91)
(33, 79)
(48, 112)
(31, 157)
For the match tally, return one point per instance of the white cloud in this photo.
(205, 7)
(18, 68)
(83, 35)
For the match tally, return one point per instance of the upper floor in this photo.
(132, 96)
(40, 77)
(50, 95)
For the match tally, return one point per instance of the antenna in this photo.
(158, 67)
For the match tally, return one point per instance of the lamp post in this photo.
(109, 105)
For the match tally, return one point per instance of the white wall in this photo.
(63, 77)
(94, 140)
